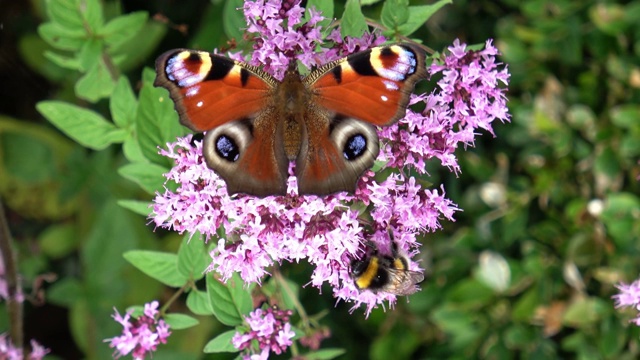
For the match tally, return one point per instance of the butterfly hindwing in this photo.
(210, 90)
(336, 152)
(373, 85)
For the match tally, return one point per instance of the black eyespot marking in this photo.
(355, 146)
(194, 56)
(227, 148)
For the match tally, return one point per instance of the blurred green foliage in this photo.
(551, 206)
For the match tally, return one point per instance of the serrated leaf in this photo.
(86, 127)
(180, 321)
(222, 301)
(353, 21)
(124, 27)
(96, 84)
(156, 120)
(139, 207)
(148, 176)
(221, 343)
(418, 16)
(233, 19)
(123, 103)
(193, 257)
(394, 13)
(158, 265)
(198, 303)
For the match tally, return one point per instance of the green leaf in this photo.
(160, 266)
(58, 241)
(91, 12)
(96, 84)
(123, 103)
(221, 343)
(147, 175)
(103, 266)
(233, 19)
(198, 303)
(394, 13)
(84, 126)
(90, 54)
(137, 50)
(123, 28)
(324, 354)
(584, 312)
(222, 301)
(30, 161)
(157, 122)
(193, 257)
(368, 2)
(65, 292)
(180, 321)
(65, 13)
(353, 21)
(241, 295)
(62, 61)
(418, 16)
(132, 150)
(62, 38)
(139, 207)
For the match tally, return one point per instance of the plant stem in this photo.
(14, 289)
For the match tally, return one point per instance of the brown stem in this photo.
(14, 289)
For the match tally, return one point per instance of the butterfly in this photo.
(325, 122)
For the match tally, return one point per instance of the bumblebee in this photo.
(383, 273)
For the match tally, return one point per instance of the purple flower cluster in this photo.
(140, 336)
(10, 352)
(281, 36)
(329, 232)
(467, 97)
(269, 329)
(629, 296)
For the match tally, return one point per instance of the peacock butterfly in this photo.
(325, 121)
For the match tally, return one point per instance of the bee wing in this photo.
(403, 282)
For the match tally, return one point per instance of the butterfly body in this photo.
(325, 122)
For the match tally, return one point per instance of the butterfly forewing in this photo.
(210, 90)
(372, 85)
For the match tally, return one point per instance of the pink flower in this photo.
(10, 352)
(271, 331)
(140, 336)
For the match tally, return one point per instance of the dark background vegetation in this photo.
(555, 194)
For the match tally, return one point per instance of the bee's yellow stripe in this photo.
(364, 281)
